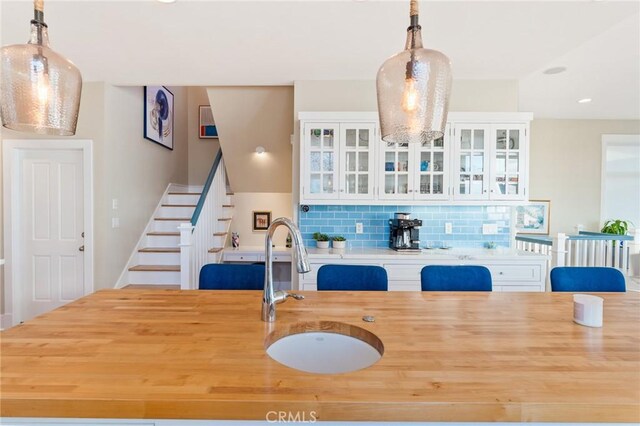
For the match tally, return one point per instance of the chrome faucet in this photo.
(269, 297)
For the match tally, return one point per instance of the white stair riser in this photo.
(176, 212)
(163, 240)
(146, 258)
(167, 225)
(154, 277)
(182, 199)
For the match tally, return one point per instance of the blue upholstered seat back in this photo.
(455, 278)
(221, 276)
(352, 278)
(587, 279)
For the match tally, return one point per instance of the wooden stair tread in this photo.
(223, 219)
(185, 193)
(230, 193)
(178, 205)
(182, 219)
(166, 234)
(160, 250)
(156, 268)
(228, 205)
(216, 249)
(151, 287)
(219, 234)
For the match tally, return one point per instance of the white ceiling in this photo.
(211, 43)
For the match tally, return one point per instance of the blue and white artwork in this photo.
(158, 115)
(533, 218)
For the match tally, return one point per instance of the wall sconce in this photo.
(260, 150)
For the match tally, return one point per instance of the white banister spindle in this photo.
(186, 242)
(559, 249)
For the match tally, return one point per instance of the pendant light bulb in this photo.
(410, 95)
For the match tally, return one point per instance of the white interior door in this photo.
(51, 230)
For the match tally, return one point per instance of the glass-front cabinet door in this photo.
(431, 170)
(396, 171)
(471, 162)
(356, 160)
(321, 161)
(508, 168)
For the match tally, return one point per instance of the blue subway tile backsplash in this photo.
(467, 224)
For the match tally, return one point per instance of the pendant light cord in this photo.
(413, 14)
(38, 11)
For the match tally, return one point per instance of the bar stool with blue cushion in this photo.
(455, 278)
(352, 278)
(587, 279)
(222, 276)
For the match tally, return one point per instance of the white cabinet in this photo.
(490, 161)
(357, 142)
(337, 161)
(482, 157)
(513, 271)
(415, 171)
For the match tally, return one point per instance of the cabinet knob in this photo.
(342, 190)
(485, 191)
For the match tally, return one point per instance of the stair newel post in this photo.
(558, 253)
(186, 241)
(634, 253)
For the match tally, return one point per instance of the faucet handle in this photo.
(295, 296)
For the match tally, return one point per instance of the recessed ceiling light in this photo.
(260, 150)
(554, 70)
(167, 1)
(584, 101)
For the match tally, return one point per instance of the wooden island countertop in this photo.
(163, 354)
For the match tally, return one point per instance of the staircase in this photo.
(156, 259)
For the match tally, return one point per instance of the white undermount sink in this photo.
(326, 348)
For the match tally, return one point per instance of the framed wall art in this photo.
(533, 217)
(207, 125)
(158, 115)
(261, 221)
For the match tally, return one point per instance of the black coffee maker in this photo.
(404, 232)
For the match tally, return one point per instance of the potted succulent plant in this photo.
(322, 240)
(339, 242)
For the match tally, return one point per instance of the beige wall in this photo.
(201, 151)
(565, 168)
(136, 171)
(248, 117)
(246, 203)
(126, 166)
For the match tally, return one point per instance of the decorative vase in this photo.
(322, 244)
(339, 244)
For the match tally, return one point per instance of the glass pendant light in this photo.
(413, 90)
(39, 89)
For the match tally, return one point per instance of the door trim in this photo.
(12, 241)
(607, 140)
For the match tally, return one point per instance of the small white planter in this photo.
(322, 244)
(339, 244)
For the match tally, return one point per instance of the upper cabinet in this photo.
(483, 157)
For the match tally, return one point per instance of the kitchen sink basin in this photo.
(325, 347)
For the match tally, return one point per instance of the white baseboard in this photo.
(5, 321)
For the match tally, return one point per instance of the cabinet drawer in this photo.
(516, 288)
(514, 272)
(405, 285)
(237, 257)
(403, 272)
(278, 258)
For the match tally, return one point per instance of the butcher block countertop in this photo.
(165, 354)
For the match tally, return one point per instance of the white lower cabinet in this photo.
(509, 273)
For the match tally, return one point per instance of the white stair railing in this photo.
(197, 237)
(585, 249)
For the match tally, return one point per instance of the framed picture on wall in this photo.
(261, 221)
(207, 125)
(158, 115)
(533, 217)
